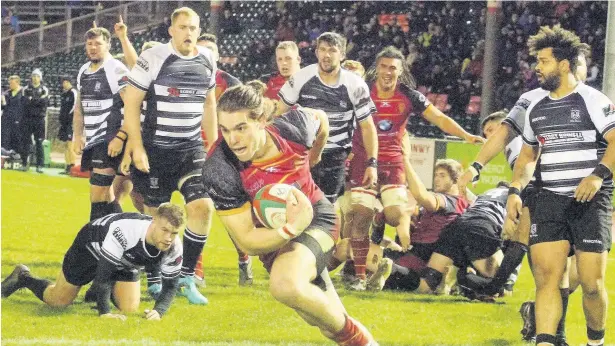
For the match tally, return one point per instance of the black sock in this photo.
(512, 258)
(193, 246)
(595, 334)
(405, 282)
(349, 267)
(399, 269)
(561, 327)
(114, 207)
(471, 280)
(98, 210)
(37, 286)
(547, 338)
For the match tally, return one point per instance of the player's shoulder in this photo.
(304, 74)
(221, 164)
(84, 67)
(589, 93)
(531, 96)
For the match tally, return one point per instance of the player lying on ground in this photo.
(255, 153)
(111, 251)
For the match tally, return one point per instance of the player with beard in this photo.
(392, 90)
(572, 123)
(504, 135)
(345, 98)
(177, 80)
(100, 87)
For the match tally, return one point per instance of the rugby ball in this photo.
(269, 205)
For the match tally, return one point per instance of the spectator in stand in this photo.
(65, 134)
(36, 97)
(229, 24)
(593, 75)
(12, 114)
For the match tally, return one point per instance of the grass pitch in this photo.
(41, 215)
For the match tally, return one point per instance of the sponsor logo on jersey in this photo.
(91, 104)
(153, 183)
(176, 261)
(538, 119)
(592, 241)
(533, 232)
(609, 110)
(385, 104)
(385, 125)
(309, 97)
(343, 104)
(255, 186)
(117, 233)
(575, 116)
(177, 92)
(143, 64)
(563, 137)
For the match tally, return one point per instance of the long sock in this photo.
(193, 246)
(114, 207)
(242, 257)
(512, 258)
(350, 335)
(472, 281)
(333, 263)
(349, 268)
(595, 335)
(561, 327)
(360, 248)
(408, 281)
(37, 286)
(98, 210)
(546, 338)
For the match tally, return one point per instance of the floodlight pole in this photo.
(490, 58)
(608, 80)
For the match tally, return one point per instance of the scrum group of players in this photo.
(295, 129)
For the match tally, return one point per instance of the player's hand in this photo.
(404, 239)
(475, 139)
(299, 211)
(509, 229)
(152, 315)
(114, 316)
(78, 144)
(370, 178)
(115, 147)
(513, 208)
(139, 157)
(463, 181)
(125, 164)
(121, 30)
(314, 158)
(587, 188)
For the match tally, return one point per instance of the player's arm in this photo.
(591, 184)
(103, 285)
(428, 200)
(258, 241)
(321, 137)
(78, 126)
(41, 100)
(130, 54)
(522, 173)
(169, 289)
(116, 145)
(370, 143)
(448, 125)
(209, 123)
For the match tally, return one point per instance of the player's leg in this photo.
(103, 172)
(59, 294)
(121, 186)
(432, 275)
(591, 267)
(39, 137)
(363, 214)
(26, 142)
(394, 197)
(548, 263)
(291, 278)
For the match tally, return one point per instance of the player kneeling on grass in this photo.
(254, 153)
(111, 251)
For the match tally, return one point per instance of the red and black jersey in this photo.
(232, 184)
(430, 224)
(391, 117)
(274, 84)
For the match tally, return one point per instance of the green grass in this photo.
(41, 215)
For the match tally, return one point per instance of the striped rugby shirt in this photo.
(101, 101)
(571, 132)
(344, 103)
(176, 89)
(490, 205)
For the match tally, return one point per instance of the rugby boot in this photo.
(14, 281)
(246, 276)
(187, 288)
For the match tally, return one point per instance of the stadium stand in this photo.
(443, 42)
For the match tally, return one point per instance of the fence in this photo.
(61, 37)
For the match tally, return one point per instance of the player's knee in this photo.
(59, 302)
(592, 288)
(285, 290)
(201, 208)
(129, 307)
(102, 180)
(393, 215)
(432, 277)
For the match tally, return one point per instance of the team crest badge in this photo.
(575, 116)
(97, 87)
(153, 183)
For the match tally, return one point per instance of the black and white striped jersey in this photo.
(176, 88)
(100, 99)
(344, 103)
(490, 205)
(120, 239)
(571, 132)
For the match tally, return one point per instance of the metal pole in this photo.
(214, 16)
(490, 59)
(608, 81)
(69, 29)
(41, 17)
